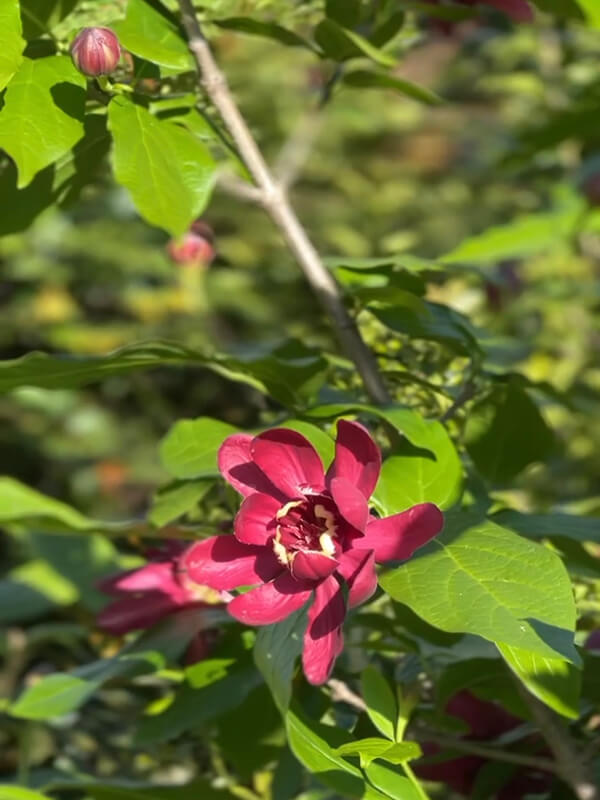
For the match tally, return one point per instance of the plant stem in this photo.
(415, 782)
(570, 765)
(274, 199)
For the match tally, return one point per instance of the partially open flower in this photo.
(96, 51)
(300, 531)
(145, 595)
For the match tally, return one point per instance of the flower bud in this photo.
(194, 248)
(96, 51)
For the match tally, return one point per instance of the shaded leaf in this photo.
(269, 30)
(340, 44)
(152, 36)
(364, 79)
(381, 703)
(275, 652)
(175, 500)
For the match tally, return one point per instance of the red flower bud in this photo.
(193, 249)
(96, 51)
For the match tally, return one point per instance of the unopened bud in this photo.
(96, 51)
(194, 248)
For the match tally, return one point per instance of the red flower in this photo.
(593, 641)
(300, 531)
(96, 51)
(145, 595)
(486, 721)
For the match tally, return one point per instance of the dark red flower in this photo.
(300, 531)
(486, 721)
(145, 595)
(96, 51)
(516, 10)
(593, 641)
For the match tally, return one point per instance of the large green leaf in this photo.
(19, 502)
(10, 792)
(284, 378)
(11, 41)
(392, 782)
(169, 172)
(505, 432)
(53, 696)
(177, 499)
(42, 118)
(153, 36)
(370, 749)
(275, 652)
(189, 450)
(409, 479)
(479, 578)
(554, 681)
(592, 12)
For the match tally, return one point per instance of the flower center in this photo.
(307, 525)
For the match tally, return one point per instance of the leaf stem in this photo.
(274, 200)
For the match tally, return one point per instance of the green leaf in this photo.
(20, 503)
(390, 781)
(268, 30)
(285, 375)
(592, 12)
(43, 114)
(11, 41)
(479, 578)
(193, 708)
(42, 16)
(275, 652)
(381, 703)
(10, 792)
(168, 171)
(434, 322)
(505, 432)
(53, 696)
(554, 681)
(549, 526)
(364, 79)
(153, 37)
(341, 44)
(407, 480)
(314, 745)
(189, 450)
(136, 790)
(345, 12)
(523, 236)
(175, 500)
(370, 749)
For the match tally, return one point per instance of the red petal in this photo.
(593, 641)
(158, 576)
(397, 537)
(256, 520)
(357, 567)
(135, 612)
(310, 565)
(238, 468)
(324, 640)
(357, 457)
(351, 503)
(270, 602)
(224, 563)
(289, 460)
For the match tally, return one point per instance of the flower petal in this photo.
(222, 562)
(256, 520)
(517, 10)
(396, 538)
(324, 640)
(159, 576)
(357, 457)
(351, 503)
(270, 602)
(135, 612)
(357, 567)
(289, 461)
(237, 466)
(310, 565)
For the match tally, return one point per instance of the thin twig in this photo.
(486, 751)
(275, 201)
(342, 693)
(570, 765)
